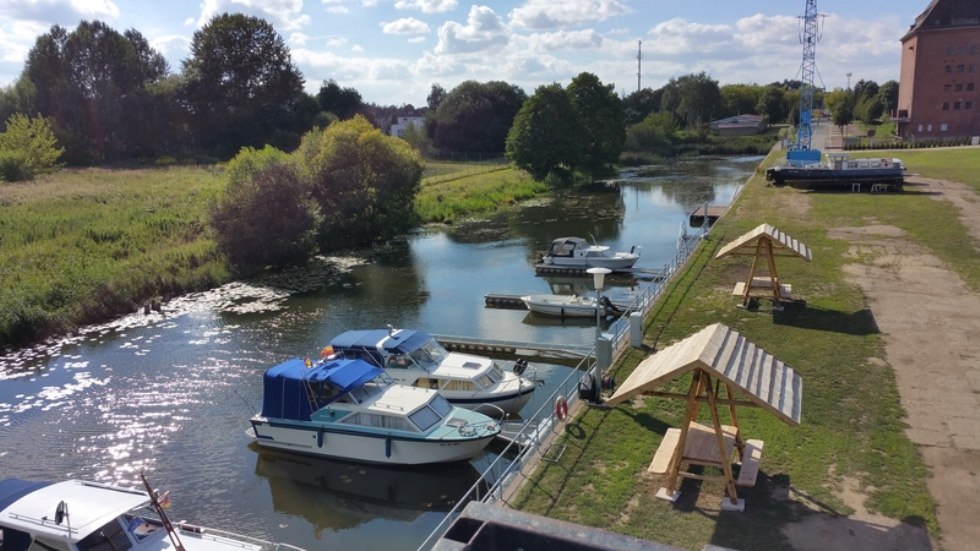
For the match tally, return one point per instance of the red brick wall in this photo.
(940, 83)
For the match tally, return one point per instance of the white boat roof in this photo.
(462, 366)
(400, 399)
(90, 506)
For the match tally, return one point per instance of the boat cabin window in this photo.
(430, 355)
(111, 537)
(377, 420)
(496, 374)
(426, 382)
(460, 385)
(441, 405)
(425, 418)
(321, 393)
(486, 381)
(364, 392)
(398, 361)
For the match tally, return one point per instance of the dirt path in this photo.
(931, 326)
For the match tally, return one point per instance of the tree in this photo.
(364, 182)
(700, 99)
(435, 97)
(266, 218)
(841, 105)
(93, 84)
(888, 95)
(740, 99)
(546, 135)
(343, 102)
(654, 132)
(637, 105)
(475, 117)
(239, 81)
(772, 104)
(869, 110)
(600, 113)
(28, 147)
(865, 89)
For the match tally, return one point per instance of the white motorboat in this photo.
(416, 358)
(575, 252)
(351, 410)
(567, 306)
(75, 515)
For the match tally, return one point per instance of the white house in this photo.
(399, 128)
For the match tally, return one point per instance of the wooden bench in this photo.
(701, 447)
(751, 456)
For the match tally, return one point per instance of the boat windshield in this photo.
(430, 355)
(432, 414)
(365, 392)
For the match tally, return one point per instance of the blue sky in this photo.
(392, 51)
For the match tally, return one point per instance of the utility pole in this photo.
(639, 59)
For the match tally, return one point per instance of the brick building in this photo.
(939, 90)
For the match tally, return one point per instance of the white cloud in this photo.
(285, 15)
(548, 14)
(64, 12)
(357, 48)
(483, 30)
(405, 25)
(681, 37)
(427, 6)
(567, 40)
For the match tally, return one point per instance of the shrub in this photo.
(32, 143)
(14, 166)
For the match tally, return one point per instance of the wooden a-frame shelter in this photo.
(764, 244)
(718, 359)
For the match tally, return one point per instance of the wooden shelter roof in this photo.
(783, 245)
(728, 356)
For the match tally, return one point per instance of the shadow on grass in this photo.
(859, 323)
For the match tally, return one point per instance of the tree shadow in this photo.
(799, 314)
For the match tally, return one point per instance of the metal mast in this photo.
(804, 132)
(639, 58)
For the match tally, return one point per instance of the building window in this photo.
(945, 106)
(973, 67)
(950, 50)
(973, 48)
(960, 68)
(956, 106)
(962, 50)
(928, 128)
(947, 88)
(920, 128)
(949, 68)
(969, 86)
(943, 127)
(959, 87)
(968, 105)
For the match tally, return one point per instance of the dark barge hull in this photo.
(831, 179)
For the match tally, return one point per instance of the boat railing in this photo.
(215, 533)
(538, 436)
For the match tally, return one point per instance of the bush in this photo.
(266, 220)
(14, 166)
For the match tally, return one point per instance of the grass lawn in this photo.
(852, 432)
(482, 189)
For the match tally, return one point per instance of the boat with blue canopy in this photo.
(416, 358)
(349, 409)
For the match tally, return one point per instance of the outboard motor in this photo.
(608, 306)
(520, 366)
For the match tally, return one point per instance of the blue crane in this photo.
(801, 153)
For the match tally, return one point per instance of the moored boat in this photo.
(570, 306)
(840, 172)
(416, 358)
(76, 515)
(351, 410)
(575, 252)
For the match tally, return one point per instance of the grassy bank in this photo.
(447, 195)
(83, 246)
(852, 433)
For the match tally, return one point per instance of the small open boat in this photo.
(75, 515)
(575, 252)
(416, 358)
(349, 409)
(568, 306)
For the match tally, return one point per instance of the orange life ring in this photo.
(561, 408)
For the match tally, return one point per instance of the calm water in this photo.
(172, 393)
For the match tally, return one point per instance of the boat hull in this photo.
(612, 263)
(366, 447)
(561, 306)
(831, 179)
(510, 402)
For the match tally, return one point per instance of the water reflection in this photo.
(336, 495)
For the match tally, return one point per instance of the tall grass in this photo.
(83, 245)
(446, 199)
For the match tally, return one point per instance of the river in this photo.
(171, 393)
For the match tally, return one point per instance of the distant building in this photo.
(398, 129)
(939, 90)
(739, 125)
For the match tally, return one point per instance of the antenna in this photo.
(639, 60)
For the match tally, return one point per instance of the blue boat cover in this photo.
(294, 391)
(12, 489)
(367, 341)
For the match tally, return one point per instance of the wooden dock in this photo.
(562, 353)
(495, 300)
(698, 215)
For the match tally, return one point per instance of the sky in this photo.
(393, 51)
